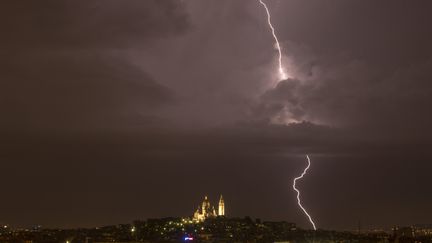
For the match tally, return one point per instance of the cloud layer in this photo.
(112, 104)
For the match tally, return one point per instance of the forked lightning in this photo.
(298, 192)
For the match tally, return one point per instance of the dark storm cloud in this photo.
(90, 24)
(82, 91)
(61, 69)
(64, 83)
(114, 110)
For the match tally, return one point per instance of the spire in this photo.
(221, 208)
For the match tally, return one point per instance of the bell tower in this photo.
(221, 208)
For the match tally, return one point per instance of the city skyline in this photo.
(112, 112)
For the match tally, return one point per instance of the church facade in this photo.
(205, 210)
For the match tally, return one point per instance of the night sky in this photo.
(113, 111)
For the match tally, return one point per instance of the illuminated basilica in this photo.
(205, 210)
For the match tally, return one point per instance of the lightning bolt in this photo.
(282, 73)
(283, 76)
(298, 192)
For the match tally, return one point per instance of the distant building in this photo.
(205, 210)
(422, 230)
(403, 231)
